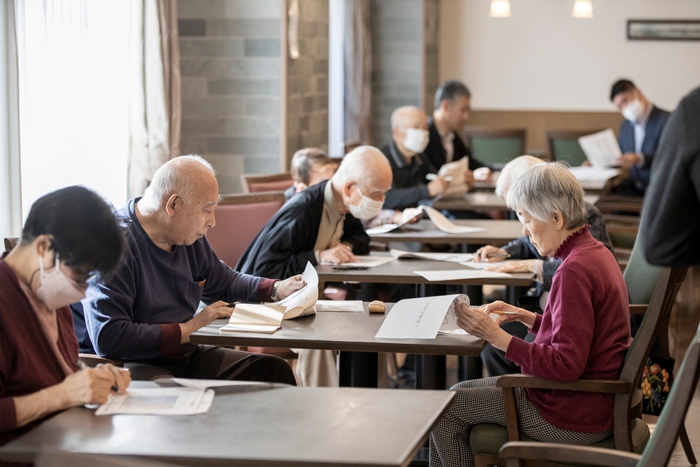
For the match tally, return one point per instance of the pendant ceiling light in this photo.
(500, 9)
(582, 9)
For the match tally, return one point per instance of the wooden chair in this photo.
(670, 425)
(630, 432)
(239, 218)
(495, 146)
(564, 146)
(270, 182)
(10, 243)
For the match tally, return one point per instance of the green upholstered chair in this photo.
(657, 451)
(650, 284)
(495, 146)
(563, 145)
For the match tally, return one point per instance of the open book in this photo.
(410, 215)
(421, 318)
(267, 317)
(446, 225)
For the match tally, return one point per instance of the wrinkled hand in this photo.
(629, 159)
(476, 323)
(523, 265)
(288, 286)
(217, 310)
(93, 385)
(437, 186)
(498, 307)
(482, 173)
(489, 254)
(337, 254)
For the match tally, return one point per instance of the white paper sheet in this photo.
(459, 274)
(364, 262)
(159, 401)
(410, 214)
(444, 224)
(484, 265)
(450, 257)
(601, 149)
(212, 383)
(593, 178)
(303, 301)
(417, 318)
(347, 306)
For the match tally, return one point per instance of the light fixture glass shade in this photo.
(500, 8)
(583, 9)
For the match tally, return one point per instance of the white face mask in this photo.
(416, 140)
(367, 209)
(633, 110)
(55, 289)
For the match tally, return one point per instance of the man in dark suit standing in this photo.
(639, 137)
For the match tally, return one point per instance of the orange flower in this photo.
(654, 369)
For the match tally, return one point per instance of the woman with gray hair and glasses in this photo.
(583, 333)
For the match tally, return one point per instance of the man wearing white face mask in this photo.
(409, 166)
(322, 225)
(639, 136)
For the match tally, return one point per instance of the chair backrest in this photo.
(641, 277)
(496, 145)
(658, 450)
(564, 146)
(269, 182)
(10, 243)
(239, 218)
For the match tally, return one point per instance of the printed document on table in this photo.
(450, 257)
(484, 265)
(601, 149)
(446, 225)
(348, 306)
(459, 274)
(365, 262)
(159, 401)
(593, 178)
(303, 301)
(417, 318)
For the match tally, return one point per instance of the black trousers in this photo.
(209, 362)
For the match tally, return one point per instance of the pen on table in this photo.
(83, 366)
(435, 176)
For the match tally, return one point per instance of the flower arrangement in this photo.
(655, 387)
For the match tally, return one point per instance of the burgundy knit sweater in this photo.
(584, 333)
(27, 363)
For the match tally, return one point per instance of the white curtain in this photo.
(10, 187)
(358, 72)
(154, 100)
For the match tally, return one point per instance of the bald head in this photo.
(363, 172)
(409, 116)
(185, 176)
(409, 130)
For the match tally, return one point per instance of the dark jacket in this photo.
(436, 153)
(408, 185)
(657, 120)
(671, 217)
(286, 243)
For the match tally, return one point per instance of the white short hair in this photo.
(361, 166)
(546, 188)
(171, 178)
(512, 171)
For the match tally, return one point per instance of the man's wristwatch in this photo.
(274, 291)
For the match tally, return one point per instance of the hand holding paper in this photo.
(509, 313)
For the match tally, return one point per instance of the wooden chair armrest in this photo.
(551, 452)
(638, 309)
(584, 385)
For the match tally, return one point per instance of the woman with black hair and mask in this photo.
(69, 236)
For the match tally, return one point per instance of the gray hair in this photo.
(171, 179)
(546, 188)
(360, 166)
(512, 171)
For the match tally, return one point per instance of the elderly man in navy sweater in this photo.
(145, 314)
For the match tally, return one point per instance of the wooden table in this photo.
(352, 334)
(400, 271)
(496, 232)
(277, 426)
(484, 201)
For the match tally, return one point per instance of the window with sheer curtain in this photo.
(73, 96)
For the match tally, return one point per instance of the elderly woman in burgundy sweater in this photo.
(583, 333)
(69, 235)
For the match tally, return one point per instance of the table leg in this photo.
(431, 371)
(358, 369)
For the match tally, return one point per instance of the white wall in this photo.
(541, 58)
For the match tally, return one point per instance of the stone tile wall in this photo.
(232, 74)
